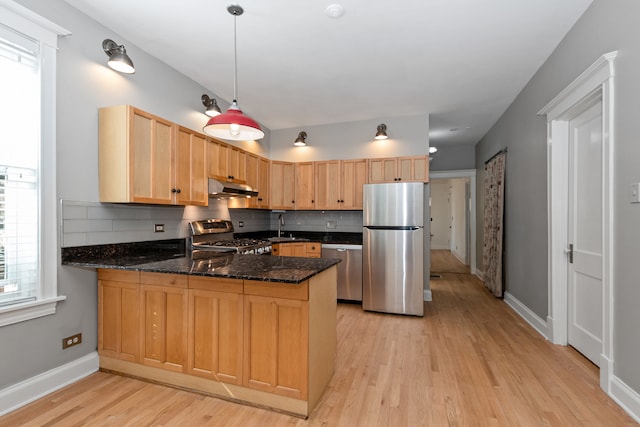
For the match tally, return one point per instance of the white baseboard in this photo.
(24, 392)
(529, 316)
(479, 274)
(626, 397)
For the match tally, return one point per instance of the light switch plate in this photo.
(331, 224)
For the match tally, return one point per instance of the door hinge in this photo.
(570, 253)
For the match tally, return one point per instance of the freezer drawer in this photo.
(349, 269)
(393, 266)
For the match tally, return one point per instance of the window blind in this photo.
(19, 157)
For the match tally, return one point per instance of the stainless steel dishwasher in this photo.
(349, 269)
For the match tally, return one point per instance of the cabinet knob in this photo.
(313, 201)
(175, 190)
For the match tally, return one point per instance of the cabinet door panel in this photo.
(190, 168)
(405, 169)
(276, 345)
(282, 185)
(142, 150)
(118, 320)
(261, 338)
(354, 176)
(304, 185)
(328, 194)
(215, 335)
(264, 184)
(164, 333)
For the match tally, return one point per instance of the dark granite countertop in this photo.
(248, 267)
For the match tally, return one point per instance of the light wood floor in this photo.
(442, 261)
(469, 362)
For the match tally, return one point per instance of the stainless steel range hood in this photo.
(218, 189)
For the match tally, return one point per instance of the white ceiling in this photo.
(460, 61)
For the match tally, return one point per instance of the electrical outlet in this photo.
(331, 224)
(158, 228)
(71, 341)
(240, 223)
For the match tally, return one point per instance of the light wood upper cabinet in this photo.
(304, 185)
(354, 176)
(226, 162)
(399, 169)
(191, 173)
(146, 159)
(258, 179)
(328, 181)
(136, 152)
(339, 184)
(282, 185)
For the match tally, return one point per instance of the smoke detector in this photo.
(334, 11)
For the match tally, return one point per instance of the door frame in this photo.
(595, 82)
(471, 174)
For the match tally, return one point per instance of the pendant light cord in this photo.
(235, 59)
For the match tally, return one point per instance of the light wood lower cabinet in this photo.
(276, 345)
(299, 249)
(215, 329)
(118, 314)
(163, 332)
(267, 343)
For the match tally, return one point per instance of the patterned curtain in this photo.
(493, 223)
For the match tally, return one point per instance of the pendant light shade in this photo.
(234, 125)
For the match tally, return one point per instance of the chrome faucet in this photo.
(280, 224)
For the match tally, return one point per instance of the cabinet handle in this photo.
(178, 190)
(313, 201)
(293, 201)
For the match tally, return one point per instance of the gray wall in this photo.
(606, 26)
(408, 136)
(84, 84)
(454, 157)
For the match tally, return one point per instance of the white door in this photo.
(585, 233)
(440, 215)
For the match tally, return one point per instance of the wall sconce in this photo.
(118, 58)
(301, 139)
(432, 150)
(211, 106)
(381, 132)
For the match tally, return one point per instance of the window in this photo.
(28, 219)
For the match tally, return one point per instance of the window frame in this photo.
(46, 33)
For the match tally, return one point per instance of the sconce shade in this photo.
(118, 58)
(381, 132)
(433, 150)
(301, 139)
(211, 106)
(234, 126)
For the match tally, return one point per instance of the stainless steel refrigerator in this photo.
(395, 247)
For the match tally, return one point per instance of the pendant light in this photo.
(233, 125)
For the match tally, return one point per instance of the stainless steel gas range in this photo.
(217, 235)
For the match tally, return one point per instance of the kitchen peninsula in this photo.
(249, 328)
